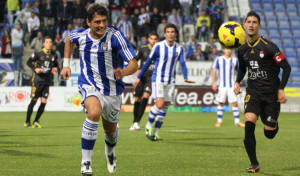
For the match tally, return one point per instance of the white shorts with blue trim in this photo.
(225, 92)
(111, 105)
(166, 91)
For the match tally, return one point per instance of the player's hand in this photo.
(281, 96)
(38, 70)
(188, 81)
(136, 82)
(66, 73)
(119, 73)
(214, 87)
(54, 70)
(237, 88)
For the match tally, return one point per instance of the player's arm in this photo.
(183, 67)
(66, 71)
(241, 73)
(214, 85)
(286, 70)
(32, 63)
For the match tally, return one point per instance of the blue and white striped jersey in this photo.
(141, 19)
(124, 26)
(99, 57)
(227, 68)
(165, 64)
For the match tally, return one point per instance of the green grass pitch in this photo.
(191, 146)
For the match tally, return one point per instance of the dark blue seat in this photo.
(292, 59)
(290, 1)
(254, 1)
(278, 1)
(267, 6)
(271, 18)
(291, 55)
(294, 18)
(282, 18)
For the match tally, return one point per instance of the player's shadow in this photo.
(292, 168)
(20, 153)
(57, 126)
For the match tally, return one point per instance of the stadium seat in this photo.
(290, 6)
(290, 55)
(289, 50)
(269, 13)
(267, 6)
(285, 31)
(257, 10)
(293, 64)
(288, 44)
(296, 73)
(255, 5)
(254, 1)
(274, 33)
(296, 84)
(284, 27)
(298, 51)
(275, 40)
(271, 18)
(267, 1)
(290, 1)
(296, 32)
(291, 9)
(295, 69)
(294, 18)
(272, 26)
(293, 23)
(282, 18)
(292, 13)
(297, 45)
(291, 59)
(278, 1)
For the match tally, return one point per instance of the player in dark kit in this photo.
(264, 91)
(143, 90)
(43, 63)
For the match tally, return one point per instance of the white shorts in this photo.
(111, 105)
(160, 90)
(226, 92)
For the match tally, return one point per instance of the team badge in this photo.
(176, 54)
(261, 54)
(104, 46)
(52, 58)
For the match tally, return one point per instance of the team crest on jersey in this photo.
(52, 58)
(176, 54)
(104, 46)
(261, 54)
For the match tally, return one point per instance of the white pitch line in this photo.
(180, 130)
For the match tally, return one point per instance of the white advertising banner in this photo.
(60, 99)
(199, 71)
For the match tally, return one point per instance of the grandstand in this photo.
(280, 21)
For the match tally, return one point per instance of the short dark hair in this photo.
(152, 33)
(252, 13)
(96, 9)
(47, 37)
(170, 25)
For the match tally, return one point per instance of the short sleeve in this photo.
(75, 35)
(123, 46)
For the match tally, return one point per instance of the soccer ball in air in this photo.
(231, 35)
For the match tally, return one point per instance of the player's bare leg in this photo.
(89, 133)
(250, 142)
(111, 131)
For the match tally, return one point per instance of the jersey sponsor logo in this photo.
(278, 57)
(261, 54)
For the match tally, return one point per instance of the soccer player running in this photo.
(264, 92)
(43, 63)
(227, 67)
(103, 50)
(166, 54)
(143, 89)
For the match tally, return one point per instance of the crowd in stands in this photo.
(28, 21)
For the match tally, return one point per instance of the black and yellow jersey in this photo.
(143, 55)
(263, 59)
(44, 60)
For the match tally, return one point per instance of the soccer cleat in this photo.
(156, 138)
(132, 127)
(111, 163)
(253, 169)
(36, 125)
(240, 124)
(218, 124)
(148, 131)
(136, 126)
(27, 125)
(86, 168)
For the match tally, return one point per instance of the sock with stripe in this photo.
(236, 114)
(88, 139)
(111, 142)
(160, 119)
(152, 114)
(220, 113)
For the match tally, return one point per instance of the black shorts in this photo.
(265, 106)
(145, 85)
(39, 90)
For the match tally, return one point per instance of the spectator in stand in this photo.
(160, 29)
(12, 8)
(120, 17)
(49, 30)
(199, 8)
(48, 12)
(175, 19)
(115, 6)
(186, 5)
(2, 12)
(155, 19)
(56, 77)
(157, 4)
(6, 45)
(125, 26)
(31, 2)
(214, 53)
(142, 17)
(104, 2)
(64, 15)
(139, 4)
(24, 16)
(211, 44)
(203, 25)
(172, 4)
(78, 11)
(145, 29)
(37, 42)
(191, 47)
(33, 24)
(78, 24)
(199, 55)
(17, 46)
(134, 21)
(37, 9)
(60, 44)
(217, 11)
(67, 32)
